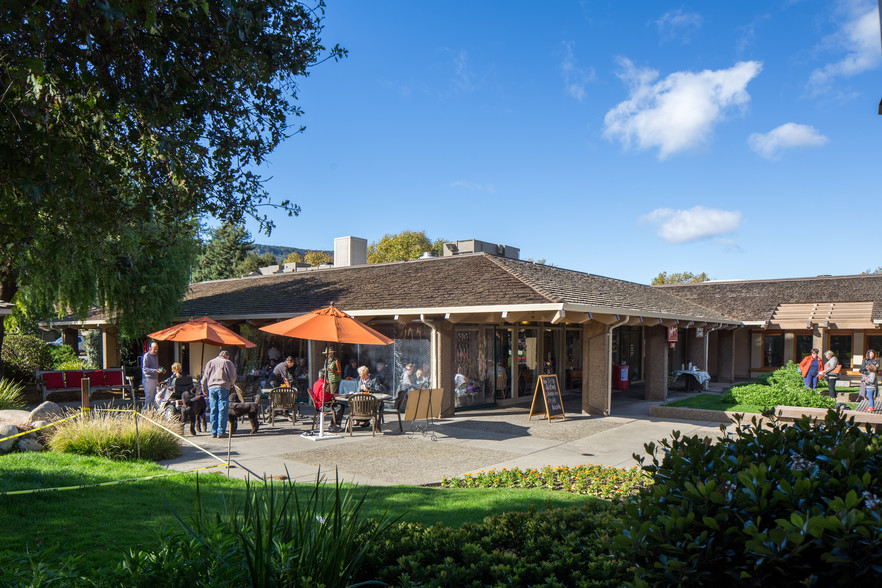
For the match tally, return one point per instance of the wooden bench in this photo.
(793, 413)
(51, 381)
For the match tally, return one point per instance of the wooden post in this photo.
(85, 401)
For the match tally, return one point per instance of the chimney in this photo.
(349, 251)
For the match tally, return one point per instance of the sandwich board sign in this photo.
(553, 407)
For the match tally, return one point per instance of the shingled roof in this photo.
(470, 280)
(756, 300)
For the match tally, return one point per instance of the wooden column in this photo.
(725, 356)
(110, 349)
(446, 369)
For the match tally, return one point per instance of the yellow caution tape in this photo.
(29, 431)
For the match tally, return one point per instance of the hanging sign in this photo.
(551, 395)
(672, 333)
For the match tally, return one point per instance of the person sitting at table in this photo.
(380, 376)
(350, 372)
(302, 370)
(321, 395)
(408, 382)
(283, 374)
(368, 385)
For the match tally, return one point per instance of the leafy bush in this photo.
(785, 387)
(594, 480)
(23, 355)
(278, 535)
(63, 358)
(11, 396)
(45, 567)
(113, 435)
(797, 504)
(555, 547)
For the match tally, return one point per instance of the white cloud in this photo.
(858, 36)
(679, 111)
(684, 226)
(676, 24)
(786, 136)
(575, 78)
(463, 78)
(473, 186)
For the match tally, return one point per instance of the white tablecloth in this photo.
(700, 376)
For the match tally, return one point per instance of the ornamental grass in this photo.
(113, 435)
(11, 395)
(592, 480)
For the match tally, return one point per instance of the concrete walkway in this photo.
(468, 442)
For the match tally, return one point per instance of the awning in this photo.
(831, 315)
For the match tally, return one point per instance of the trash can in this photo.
(620, 377)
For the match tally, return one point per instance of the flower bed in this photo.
(593, 480)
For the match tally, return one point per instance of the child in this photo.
(870, 386)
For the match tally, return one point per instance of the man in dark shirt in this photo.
(283, 374)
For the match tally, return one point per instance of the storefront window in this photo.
(528, 361)
(628, 350)
(803, 347)
(573, 367)
(840, 345)
(773, 350)
(502, 355)
(412, 347)
(874, 342)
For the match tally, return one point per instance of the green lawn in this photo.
(106, 521)
(715, 402)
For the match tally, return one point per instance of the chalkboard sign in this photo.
(551, 395)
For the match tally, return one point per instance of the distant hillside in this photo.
(280, 253)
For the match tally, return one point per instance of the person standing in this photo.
(810, 367)
(333, 371)
(218, 380)
(283, 374)
(150, 371)
(869, 359)
(831, 373)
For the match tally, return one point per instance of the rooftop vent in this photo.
(349, 251)
(475, 246)
(429, 255)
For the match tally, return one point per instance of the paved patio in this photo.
(468, 442)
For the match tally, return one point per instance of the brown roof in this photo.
(454, 281)
(756, 300)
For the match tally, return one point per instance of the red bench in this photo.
(53, 381)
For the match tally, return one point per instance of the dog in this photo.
(245, 409)
(193, 411)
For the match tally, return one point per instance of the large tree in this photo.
(679, 278)
(402, 247)
(122, 119)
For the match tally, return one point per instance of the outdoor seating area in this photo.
(52, 381)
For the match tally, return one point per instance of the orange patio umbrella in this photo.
(328, 324)
(202, 330)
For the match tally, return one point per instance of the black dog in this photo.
(242, 409)
(193, 410)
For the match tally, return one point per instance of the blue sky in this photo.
(616, 138)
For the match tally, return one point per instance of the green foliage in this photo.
(44, 567)
(772, 502)
(11, 396)
(679, 278)
(93, 348)
(63, 356)
(125, 119)
(224, 253)
(785, 387)
(316, 258)
(554, 547)
(593, 480)
(402, 247)
(113, 435)
(22, 355)
(278, 535)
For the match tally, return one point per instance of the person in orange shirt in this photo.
(810, 367)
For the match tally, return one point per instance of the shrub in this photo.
(785, 387)
(23, 355)
(112, 435)
(277, 535)
(593, 480)
(554, 547)
(799, 504)
(11, 396)
(63, 358)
